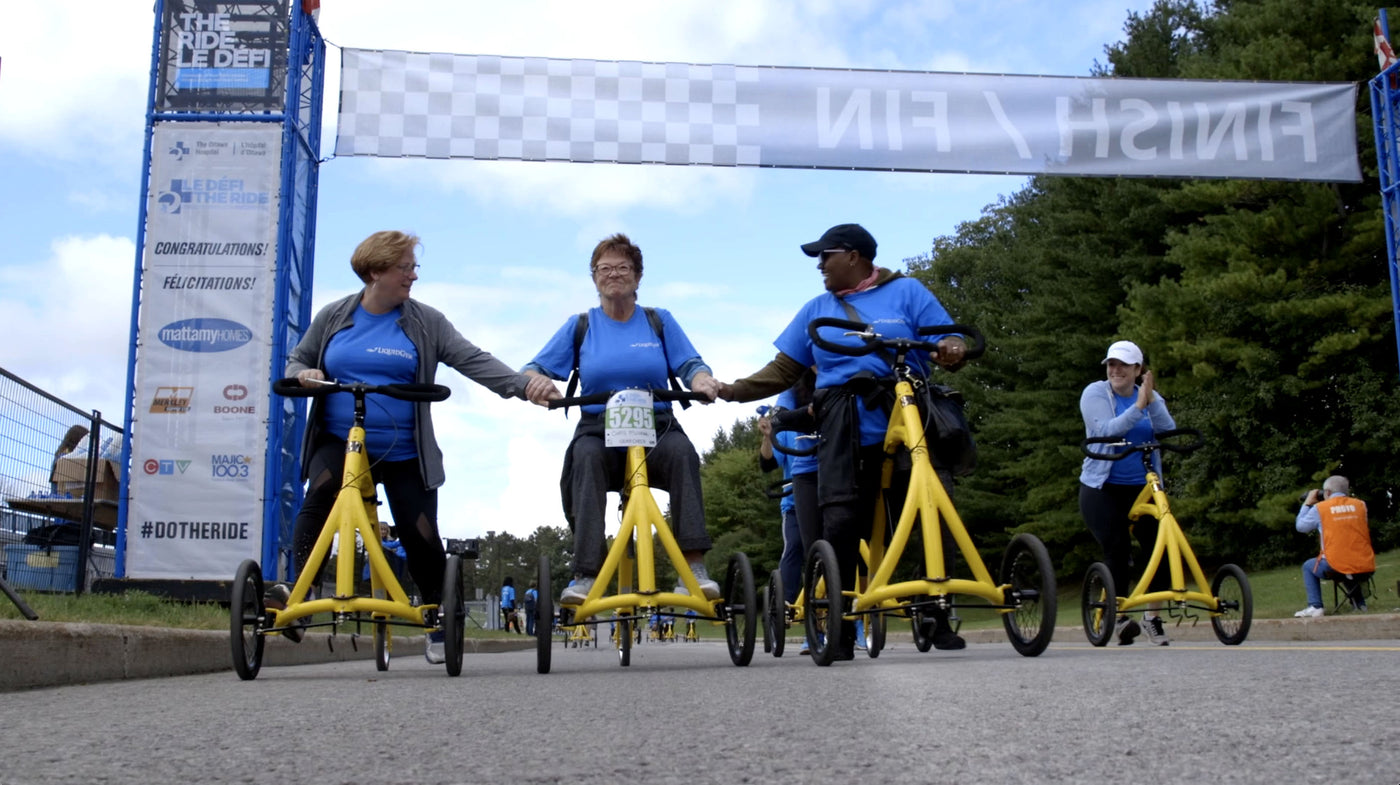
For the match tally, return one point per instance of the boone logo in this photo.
(204, 335)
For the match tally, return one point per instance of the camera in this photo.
(1303, 498)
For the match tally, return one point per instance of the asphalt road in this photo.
(1197, 711)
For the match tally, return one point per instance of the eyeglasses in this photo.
(830, 252)
(407, 269)
(605, 270)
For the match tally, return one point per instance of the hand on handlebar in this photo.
(706, 385)
(305, 377)
(951, 350)
(540, 390)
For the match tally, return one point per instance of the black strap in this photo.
(854, 315)
(654, 319)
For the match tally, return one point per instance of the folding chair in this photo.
(1351, 589)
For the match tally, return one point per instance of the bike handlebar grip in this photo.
(778, 489)
(431, 393)
(796, 452)
(291, 388)
(838, 348)
(1114, 440)
(977, 346)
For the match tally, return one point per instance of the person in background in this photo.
(1124, 404)
(854, 394)
(532, 596)
(381, 335)
(1341, 524)
(622, 349)
(508, 617)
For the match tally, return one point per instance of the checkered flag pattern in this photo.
(411, 104)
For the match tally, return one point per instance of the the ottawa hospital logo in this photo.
(179, 150)
(212, 193)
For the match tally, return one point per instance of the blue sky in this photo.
(506, 244)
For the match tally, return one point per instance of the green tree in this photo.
(738, 513)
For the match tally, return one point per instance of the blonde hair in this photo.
(381, 251)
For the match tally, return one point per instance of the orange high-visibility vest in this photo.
(1346, 536)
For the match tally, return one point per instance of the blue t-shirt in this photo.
(374, 350)
(1130, 471)
(895, 309)
(507, 596)
(792, 464)
(620, 355)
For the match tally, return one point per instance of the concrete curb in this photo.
(48, 654)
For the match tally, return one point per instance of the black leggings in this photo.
(1105, 512)
(414, 509)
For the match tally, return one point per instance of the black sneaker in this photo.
(1125, 630)
(275, 597)
(1156, 632)
(944, 638)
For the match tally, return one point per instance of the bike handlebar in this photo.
(1157, 443)
(797, 421)
(664, 396)
(874, 342)
(430, 393)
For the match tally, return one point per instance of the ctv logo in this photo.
(164, 466)
(172, 400)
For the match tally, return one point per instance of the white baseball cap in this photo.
(1124, 352)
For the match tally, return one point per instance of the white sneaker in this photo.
(1310, 612)
(435, 651)
(1156, 633)
(577, 592)
(702, 576)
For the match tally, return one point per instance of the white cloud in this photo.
(78, 303)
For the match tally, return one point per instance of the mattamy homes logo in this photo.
(204, 335)
(172, 400)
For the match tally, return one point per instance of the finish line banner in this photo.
(422, 105)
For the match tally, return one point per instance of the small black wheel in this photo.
(821, 580)
(1235, 601)
(874, 634)
(764, 605)
(1099, 604)
(624, 642)
(383, 644)
(1027, 569)
(544, 618)
(452, 615)
(246, 615)
(775, 615)
(741, 609)
(923, 631)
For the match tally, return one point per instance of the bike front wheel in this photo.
(821, 580)
(246, 615)
(452, 614)
(741, 611)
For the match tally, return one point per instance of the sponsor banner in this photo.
(199, 427)
(223, 57)
(413, 104)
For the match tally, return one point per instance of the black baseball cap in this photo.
(845, 236)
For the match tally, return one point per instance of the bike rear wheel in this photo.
(544, 618)
(452, 614)
(822, 600)
(1235, 602)
(1099, 604)
(741, 611)
(775, 615)
(246, 616)
(383, 644)
(1027, 569)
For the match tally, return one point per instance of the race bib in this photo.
(630, 420)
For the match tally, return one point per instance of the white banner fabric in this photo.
(412, 104)
(199, 431)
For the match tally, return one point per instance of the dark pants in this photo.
(414, 509)
(591, 470)
(1105, 512)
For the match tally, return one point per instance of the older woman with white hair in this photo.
(1125, 404)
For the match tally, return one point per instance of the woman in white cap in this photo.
(1125, 404)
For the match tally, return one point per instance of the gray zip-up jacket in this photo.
(436, 340)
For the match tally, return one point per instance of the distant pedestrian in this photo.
(508, 616)
(532, 596)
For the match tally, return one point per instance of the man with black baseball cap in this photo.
(854, 394)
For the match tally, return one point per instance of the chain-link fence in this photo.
(59, 484)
